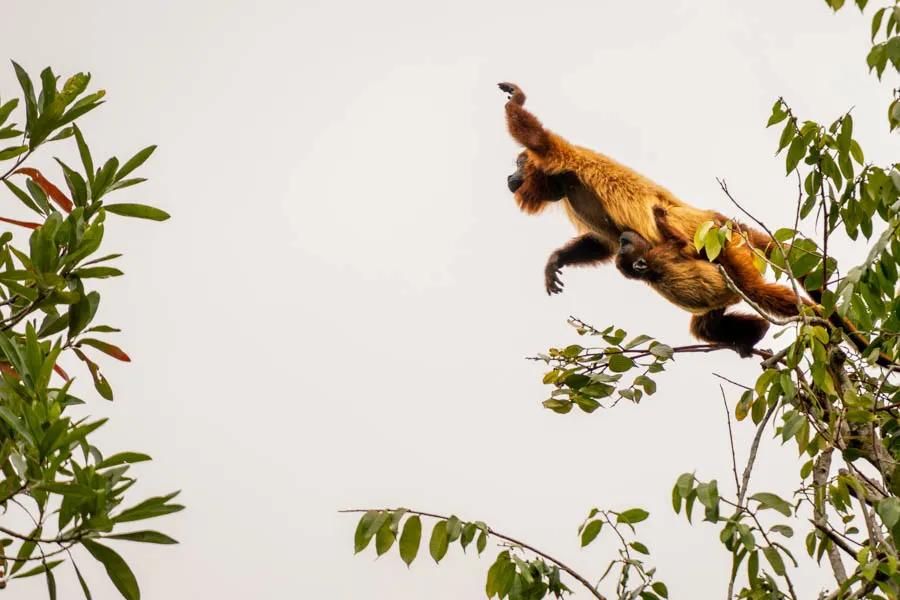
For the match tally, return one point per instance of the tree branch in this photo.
(562, 566)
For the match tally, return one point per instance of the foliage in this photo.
(72, 492)
(831, 391)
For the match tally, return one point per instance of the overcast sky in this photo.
(338, 313)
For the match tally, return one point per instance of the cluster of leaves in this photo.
(831, 391)
(884, 52)
(630, 562)
(519, 572)
(585, 376)
(51, 471)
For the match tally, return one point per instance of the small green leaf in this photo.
(795, 154)
(438, 544)
(140, 211)
(619, 363)
(767, 500)
(631, 516)
(12, 152)
(410, 539)
(147, 537)
(590, 532)
(362, 537)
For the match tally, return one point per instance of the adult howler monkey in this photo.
(604, 199)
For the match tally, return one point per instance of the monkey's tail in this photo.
(761, 240)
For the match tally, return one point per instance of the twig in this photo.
(737, 483)
(511, 540)
(754, 447)
(740, 385)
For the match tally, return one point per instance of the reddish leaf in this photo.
(9, 370)
(100, 382)
(60, 372)
(27, 224)
(106, 348)
(51, 190)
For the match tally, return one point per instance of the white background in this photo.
(338, 313)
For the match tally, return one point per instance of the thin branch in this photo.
(754, 448)
(737, 483)
(740, 385)
(584, 582)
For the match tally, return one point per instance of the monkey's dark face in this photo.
(532, 187)
(515, 181)
(630, 259)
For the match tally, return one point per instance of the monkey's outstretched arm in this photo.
(587, 249)
(526, 129)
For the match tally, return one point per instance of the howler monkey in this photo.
(606, 198)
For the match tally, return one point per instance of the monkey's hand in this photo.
(552, 283)
(516, 95)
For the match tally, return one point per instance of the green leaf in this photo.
(42, 568)
(639, 547)
(767, 500)
(116, 568)
(619, 363)
(28, 92)
(13, 421)
(889, 511)
(384, 539)
(660, 588)
(410, 539)
(876, 22)
(140, 211)
(12, 152)
(362, 537)
(123, 457)
(84, 586)
(134, 162)
(439, 543)
(774, 559)
(85, 154)
(631, 516)
(787, 134)
(481, 543)
(25, 551)
(590, 532)
(795, 154)
(147, 537)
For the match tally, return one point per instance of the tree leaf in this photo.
(410, 539)
(767, 500)
(633, 515)
(106, 348)
(147, 537)
(774, 559)
(116, 568)
(590, 532)
(140, 211)
(438, 544)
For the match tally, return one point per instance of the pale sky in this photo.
(337, 314)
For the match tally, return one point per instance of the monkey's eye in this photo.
(640, 265)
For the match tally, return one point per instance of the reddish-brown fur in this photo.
(607, 195)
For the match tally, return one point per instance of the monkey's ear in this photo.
(640, 265)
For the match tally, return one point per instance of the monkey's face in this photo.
(533, 188)
(631, 260)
